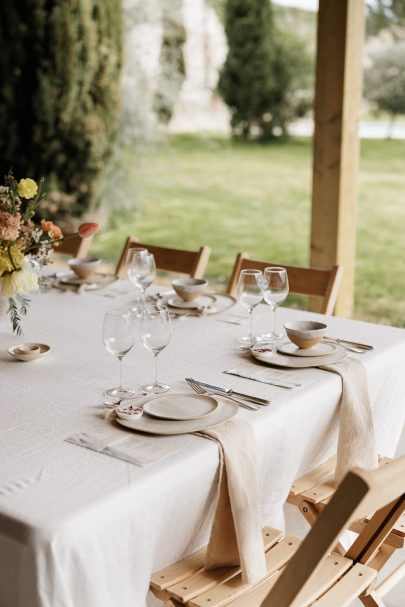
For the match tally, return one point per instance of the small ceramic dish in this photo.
(84, 267)
(130, 412)
(189, 288)
(29, 351)
(305, 333)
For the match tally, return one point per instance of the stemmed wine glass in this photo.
(141, 269)
(249, 295)
(155, 335)
(118, 338)
(275, 290)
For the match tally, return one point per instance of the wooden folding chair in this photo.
(305, 573)
(312, 492)
(74, 246)
(314, 282)
(180, 261)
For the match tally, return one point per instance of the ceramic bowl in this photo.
(29, 351)
(305, 333)
(129, 412)
(189, 288)
(84, 267)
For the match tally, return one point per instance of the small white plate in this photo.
(200, 302)
(321, 349)
(26, 356)
(181, 406)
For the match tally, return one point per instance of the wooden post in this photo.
(339, 75)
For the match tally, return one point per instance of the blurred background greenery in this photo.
(189, 123)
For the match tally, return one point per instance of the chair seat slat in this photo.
(191, 565)
(222, 594)
(348, 588)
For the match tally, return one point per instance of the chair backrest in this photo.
(74, 246)
(313, 282)
(381, 491)
(192, 263)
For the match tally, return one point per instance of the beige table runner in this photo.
(236, 535)
(356, 442)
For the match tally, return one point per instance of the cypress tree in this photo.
(60, 95)
(246, 81)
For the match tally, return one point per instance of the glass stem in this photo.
(120, 373)
(155, 355)
(250, 335)
(273, 330)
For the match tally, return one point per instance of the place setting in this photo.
(83, 276)
(305, 347)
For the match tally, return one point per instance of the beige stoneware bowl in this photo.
(305, 333)
(85, 267)
(189, 288)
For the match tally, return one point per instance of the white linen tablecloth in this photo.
(81, 529)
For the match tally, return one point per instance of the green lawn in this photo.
(256, 198)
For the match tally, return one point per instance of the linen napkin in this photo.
(356, 441)
(135, 449)
(236, 535)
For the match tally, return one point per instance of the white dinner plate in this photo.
(153, 425)
(200, 302)
(95, 281)
(182, 407)
(297, 362)
(321, 349)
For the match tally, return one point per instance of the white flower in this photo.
(19, 282)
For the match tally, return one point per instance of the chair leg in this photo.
(311, 514)
(371, 600)
(382, 556)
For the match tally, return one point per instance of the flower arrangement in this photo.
(21, 237)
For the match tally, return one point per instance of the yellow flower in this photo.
(27, 188)
(5, 263)
(19, 282)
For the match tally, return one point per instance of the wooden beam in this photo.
(339, 76)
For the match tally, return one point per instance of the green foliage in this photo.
(60, 97)
(172, 66)
(384, 14)
(267, 77)
(17, 307)
(384, 83)
(247, 82)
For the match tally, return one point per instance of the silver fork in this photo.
(200, 390)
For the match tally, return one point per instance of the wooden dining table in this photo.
(85, 529)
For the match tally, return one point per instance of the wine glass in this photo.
(249, 295)
(155, 335)
(275, 290)
(141, 269)
(118, 338)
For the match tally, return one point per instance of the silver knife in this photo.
(250, 397)
(337, 340)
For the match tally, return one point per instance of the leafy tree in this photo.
(267, 79)
(60, 96)
(247, 80)
(384, 81)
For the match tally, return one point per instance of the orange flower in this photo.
(49, 226)
(88, 229)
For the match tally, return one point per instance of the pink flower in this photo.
(49, 226)
(9, 226)
(88, 229)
